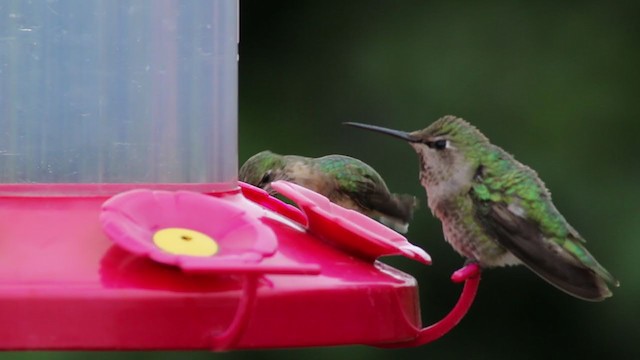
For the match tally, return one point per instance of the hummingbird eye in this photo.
(266, 178)
(440, 144)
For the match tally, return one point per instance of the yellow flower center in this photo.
(180, 241)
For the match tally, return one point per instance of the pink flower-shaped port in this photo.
(195, 232)
(261, 197)
(349, 229)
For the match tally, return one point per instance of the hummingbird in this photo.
(344, 180)
(495, 211)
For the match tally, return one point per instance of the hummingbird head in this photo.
(263, 168)
(444, 148)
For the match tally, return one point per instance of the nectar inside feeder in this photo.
(119, 200)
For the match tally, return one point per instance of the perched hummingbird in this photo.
(346, 181)
(496, 211)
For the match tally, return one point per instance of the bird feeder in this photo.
(122, 225)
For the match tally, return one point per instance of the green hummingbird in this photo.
(344, 180)
(496, 211)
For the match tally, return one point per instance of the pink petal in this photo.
(131, 219)
(263, 198)
(349, 228)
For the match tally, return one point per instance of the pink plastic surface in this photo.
(355, 232)
(65, 285)
(246, 244)
(470, 275)
(349, 229)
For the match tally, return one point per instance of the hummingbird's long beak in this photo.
(395, 133)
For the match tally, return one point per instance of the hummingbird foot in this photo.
(470, 270)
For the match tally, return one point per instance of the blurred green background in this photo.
(554, 83)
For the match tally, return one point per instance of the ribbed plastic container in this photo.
(127, 92)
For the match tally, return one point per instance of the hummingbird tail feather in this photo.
(577, 281)
(398, 212)
(396, 224)
(582, 254)
(406, 205)
(545, 257)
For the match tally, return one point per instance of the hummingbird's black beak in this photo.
(395, 133)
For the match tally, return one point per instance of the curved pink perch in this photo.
(230, 337)
(470, 274)
(468, 271)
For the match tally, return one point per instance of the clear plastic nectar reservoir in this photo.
(127, 92)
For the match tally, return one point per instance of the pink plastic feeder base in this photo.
(64, 285)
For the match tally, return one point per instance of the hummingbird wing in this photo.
(516, 210)
(369, 194)
(366, 188)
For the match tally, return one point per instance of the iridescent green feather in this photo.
(508, 182)
(255, 167)
(351, 174)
